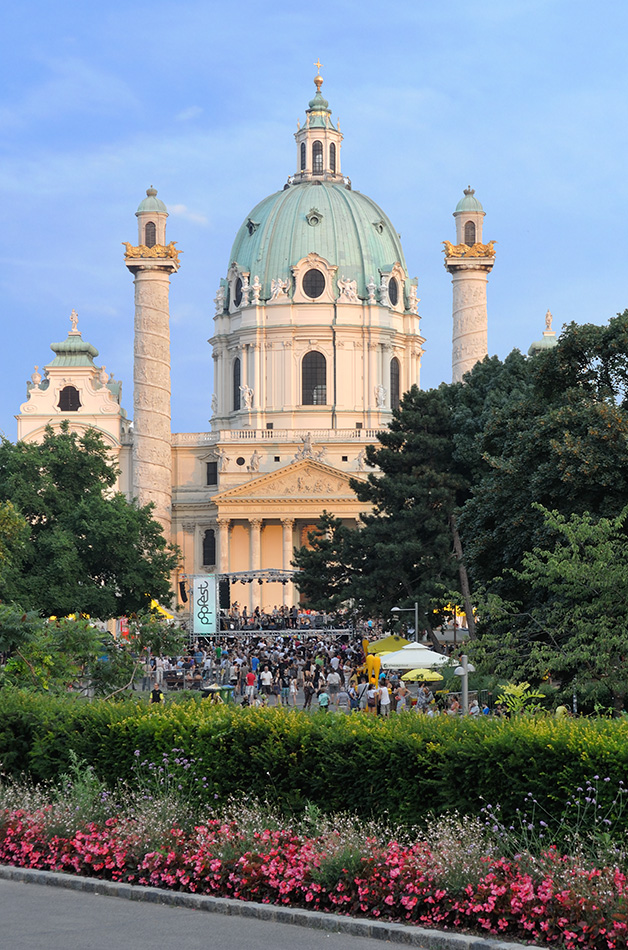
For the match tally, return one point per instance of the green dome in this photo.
(469, 202)
(75, 351)
(152, 203)
(548, 342)
(344, 227)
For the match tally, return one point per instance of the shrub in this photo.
(406, 768)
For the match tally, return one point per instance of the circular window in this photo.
(313, 283)
(237, 292)
(393, 291)
(240, 460)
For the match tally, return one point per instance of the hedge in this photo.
(408, 766)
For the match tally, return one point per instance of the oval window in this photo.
(313, 283)
(393, 291)
(237, 292)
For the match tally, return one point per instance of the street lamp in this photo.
(401, 610)
(463, 672)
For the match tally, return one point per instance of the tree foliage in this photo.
(87, 550)
(72, 654)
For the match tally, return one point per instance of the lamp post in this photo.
(463, 672)
(400, 610)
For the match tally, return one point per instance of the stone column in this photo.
(372, 374)
(470, 330)
(152, 453)
(223, 527)
(255, 530)
(287, 525)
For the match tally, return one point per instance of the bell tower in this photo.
(318, 141)
(152, 262)
(469, 262)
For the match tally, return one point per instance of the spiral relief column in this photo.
(469, 262)
(152, 262)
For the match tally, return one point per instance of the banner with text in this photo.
(205, 606)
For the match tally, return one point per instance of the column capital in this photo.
(223, 522)
(256, 522)
(288, 522)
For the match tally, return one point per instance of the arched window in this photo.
(332, 157)
(237, 379)
(302, 156)
(317, 158)
(209, 548)
(314, 379)
(237, 292)
(69, 399)
(150, 234)
(469, 233)
(394, 383)
(393, 291)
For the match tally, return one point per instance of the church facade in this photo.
(316, 336)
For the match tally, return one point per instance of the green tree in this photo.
(403, 551)
(88, 550)
(58, 655)
(573, 629)
(561, 442)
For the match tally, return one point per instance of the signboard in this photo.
(205, 606)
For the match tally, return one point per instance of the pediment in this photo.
(305, 480)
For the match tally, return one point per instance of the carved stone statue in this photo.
(380, 396)
(223, 459)
(278, 288)
(548, 321)
(414, 300)
(361, 458)
(214, 404)
(256, 289)
(219, 300)
(348, 290)
(255, 460)
(306, 451)
(247, 396)
(383, 291)
(74, 320)
(371, 288)
(36, 377)
(103, 375)
(245, 290)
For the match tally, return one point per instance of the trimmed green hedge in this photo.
(408, 766)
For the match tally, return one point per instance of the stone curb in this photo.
(357, 927)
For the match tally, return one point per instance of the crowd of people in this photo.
(239, 619)
(302, 669)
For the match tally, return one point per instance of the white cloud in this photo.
(182, 211)
(192, 112)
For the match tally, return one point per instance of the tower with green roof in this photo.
(152, 262)
(469, 262)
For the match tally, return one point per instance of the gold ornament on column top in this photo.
(464, 250)
(318, 80)
(158, 250)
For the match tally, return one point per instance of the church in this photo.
(316, 336)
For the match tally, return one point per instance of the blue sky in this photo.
(526, 100)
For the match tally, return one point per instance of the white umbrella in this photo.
(413, 656)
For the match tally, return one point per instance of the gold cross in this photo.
(318, 64)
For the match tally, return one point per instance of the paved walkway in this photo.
(32, 916)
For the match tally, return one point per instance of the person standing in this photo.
(323, 700)
(384, 698)
(156, 695)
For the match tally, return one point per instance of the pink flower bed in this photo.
(562, 904)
